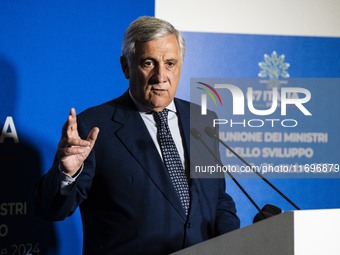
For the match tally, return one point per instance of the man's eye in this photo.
(148, 63)
(170, 64)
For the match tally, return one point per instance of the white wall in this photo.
(275, 17)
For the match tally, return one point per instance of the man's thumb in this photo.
(92, 137)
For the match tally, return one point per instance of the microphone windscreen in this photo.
(261, 216)
(210, 131)
(272, 209)
(195, 133)
(266, 212)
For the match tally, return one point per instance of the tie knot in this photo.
(161, 117)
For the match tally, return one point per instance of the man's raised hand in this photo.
(72, 150)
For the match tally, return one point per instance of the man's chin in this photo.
(159, 105)
(160, 92)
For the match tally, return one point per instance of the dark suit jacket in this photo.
(128, 204)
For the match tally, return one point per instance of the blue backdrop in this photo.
(53, 55)
(218, 55)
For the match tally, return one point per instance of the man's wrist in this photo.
(66, 181)
(67, 177)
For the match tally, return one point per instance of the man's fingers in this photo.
(73, 112)
(72, 124)
(72, 147)
(92, 137)
(70, 127)
(69, 142)
(72, 151)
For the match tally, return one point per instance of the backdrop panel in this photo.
(217, 55)
(228, 39)
(53, 55)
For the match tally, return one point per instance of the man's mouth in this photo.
(159, 88)
(155, 89)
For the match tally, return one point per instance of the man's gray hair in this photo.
(145, 29)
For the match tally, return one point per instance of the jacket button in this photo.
(189, 225)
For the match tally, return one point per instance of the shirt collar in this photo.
(142, 108)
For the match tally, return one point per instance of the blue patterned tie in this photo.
(172, 159)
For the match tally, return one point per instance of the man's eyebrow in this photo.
(172, 59)
(147, 58)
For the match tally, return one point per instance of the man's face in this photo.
(154, 72)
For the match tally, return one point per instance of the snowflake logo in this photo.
(274, 67)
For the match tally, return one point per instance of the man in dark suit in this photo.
(132, 201)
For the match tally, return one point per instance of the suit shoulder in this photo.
(181, 103)
(106, 110)
(98, 111)
(193, 107)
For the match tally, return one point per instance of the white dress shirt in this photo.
(150, 123)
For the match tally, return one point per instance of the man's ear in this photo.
(125, 66)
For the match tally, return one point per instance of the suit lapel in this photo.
(184, 120)
(135, 136)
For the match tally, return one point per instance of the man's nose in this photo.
(159, 74)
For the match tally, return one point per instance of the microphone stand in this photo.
(197, 135)
(213, 134)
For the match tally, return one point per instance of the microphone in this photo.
(211, 132)
(261, 214)
(268, 211)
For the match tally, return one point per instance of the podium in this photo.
(312, 232)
